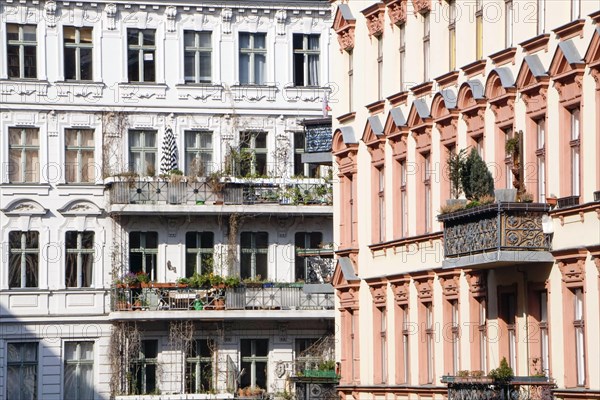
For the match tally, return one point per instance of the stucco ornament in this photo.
(50, 13)
(171, 13)
(111, 14)
(280, 17)
(226, 17)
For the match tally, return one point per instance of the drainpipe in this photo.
(526, 306)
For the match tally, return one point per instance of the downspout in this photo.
(526, 311)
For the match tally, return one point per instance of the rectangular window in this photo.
(541, 158)
(78, 53)
(143, 368)
(379, 67)
(255, 358)
(143, 251)
(578, 324)
(403, 199)
(429, 336)
(544, 337)
(199, 253)
(402, 51)
(381, 203)
(197, 53)
(254, 258)
(575, 9)
(574, 144)
(199, 367)
(24, 253)
(21, 49)
(479, 29)
(508, 23)
(22, 371)
(142, 152)
(455, 337)
(141, 54)
(306, 241)
(255, 145)
(508, 312)
(482, 333)
(23, 150)
(79, 370)
(253, 58)
(198, 153)
(306, 60)
(79, 265)
(301, 169)
(426, 46)
(541, 16)
(79, 156)
(427, 191)
(452, 35)
(350, 79)
(508, 161)
(405, 344)
(383, 343)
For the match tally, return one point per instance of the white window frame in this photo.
(508, 23)
(197, 150)
(575, 149)
(143, 150)
(78, 46)
(79, 148)
(199, 252)
(79, 252)
(142, 48)
(22, 43)
(540, 153)
(253, 359)
(199, 364)
(24, 251)
(426, 46)
(21, 363)
(253, 250)
(198, 50)
(151, 270)
(78, 362)
(253, 52)
(579, 327)
(26, 149)
(305, 64)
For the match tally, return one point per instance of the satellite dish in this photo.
(547, 224)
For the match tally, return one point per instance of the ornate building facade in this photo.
(431, 293)
(149, 150)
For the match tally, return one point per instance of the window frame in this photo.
(79, 252)
(248, 141)
(199, 363)
(575, 149)
(140, 364)
(78, 46)
(77, 362)
(25, 150)
(307, 53)
(197, 151)
(253, 359)
(24, 251)
(252, 53)
(426, 46)
(253, 250)
(452, 35)
(540, 153)
(380, 80)
(21, 43)
(199, 253)
(152, 271)
(307, 239)
(197, 51)
(21, 364)
(143, 150)
(141, 49)
(79, 149)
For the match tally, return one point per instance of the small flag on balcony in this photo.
(326, 107)
(168, 161)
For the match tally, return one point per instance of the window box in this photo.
(569, 201)
(314, 373)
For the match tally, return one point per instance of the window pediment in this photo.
(396, 10)
(80, 207)
(343, 25)
(25, 207)
(375, 16)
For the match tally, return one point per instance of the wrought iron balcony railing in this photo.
(510, 227)
(525, 388)
(199, 193)
(175, 297)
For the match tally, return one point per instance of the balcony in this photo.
(165, 301)
(260, 195)
(519, 387)
(496, 235)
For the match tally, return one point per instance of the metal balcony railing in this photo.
(241, 298)
(526, 388)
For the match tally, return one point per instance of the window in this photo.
(199, 367)
(426, 45)
(350, 79)
(429, 337)
(254, 144)
(574, 144)
(380, 67)
(479, 145)
(141, 53)
(575, 9)
(383, 344)
(253, 58)
(199, 247)
(78, 53)
(541, 159)
(79, 156)
(508, 311)
(303, 241)
(142, 152)
(21, 51)
(143, 250)
(381, 203)
(544, 342)
(452, 35)
(427, 191)
(508, 161)
(354, 344)
(255, 246)
(79, 370)
(405, 343)
(403, 198)
(24, 253)
(255, 356)
(22, 371)
(300, 168)
(541, 16)
(79, 248)
(306, 60)
(23, 148)
(402, 51)
(198, 153)
(482, 333)
(479, 29)
(143, 368)
(455, 337)
(197, 56)
(508, 23)
(578, 324)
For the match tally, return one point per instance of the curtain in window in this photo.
(313, 61)
(259, 69)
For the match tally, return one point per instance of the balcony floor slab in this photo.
(495, 259)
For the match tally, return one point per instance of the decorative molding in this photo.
(200, 92)
(504, 56)
(376, 107)
(536, 43)
(24, 207)
(280, 17)
(171, 13)
(80, 90)
(421, 6)
(80, 207)
(571, 263)
(400, 98)
(400, 288)
(111, 13)
(474, 68)
(142, 91)
(345, 118)
(422, 89)
(450, 283)
(448, 79)
(24, 88)
(595, 253)
(226, 17)
(50, 13)
(424, 285)
(397, 11)
(375, 17)
(477, 280)
(378, 290)
(570, 30)
(253, 93)
(306, 94)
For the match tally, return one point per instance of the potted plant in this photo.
(476, 179)
(455, 164)
(143, 278)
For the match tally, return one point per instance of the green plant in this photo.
(142, 277)
(527, 197)
(477, 374)
(476, 178)
(503, 373)
(456, 162)
(463, 373)
(232, 281)
(328, 365)
(452, 208)
(176, 172)
(512, 145)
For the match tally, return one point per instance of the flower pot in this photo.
(551, 201)
(199, 202)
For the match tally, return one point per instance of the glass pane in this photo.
(87, 240)
(71, 240)
(135, 138)
(206, 140)
(149, 66)
(262, 240)
(86, 382)
(150, 164)
(189, 62)
(69, 34)
(262, 348)
(205, 67)
(71, 270)
(70, 350)
(85, 63)
(261, 375)
(31, 270)
(313, 42)
(71, 137)
(259, 69)
(204, 39)
(31, 239)
(29, 33)
(132, 37)
(244, 68)
(29, 352)
(150, 348)
(244, 40)
(259, 40)
(245, 266)
(87, 263)
(32, 137)
(14, 70)
(298, 39)
(70, 54)
(14, 166)
(148, 37)
(150, 139)
(133, 65)
(261, 140)
(85, 35)
(12, 31)
(262, 265)
(189, 39)
(87, 137)
(151, 240)
(134, 240)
